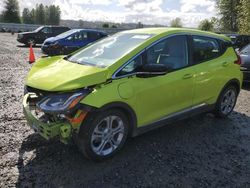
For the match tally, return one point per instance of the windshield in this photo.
(108, 50)
(246, 50)
(67, 33)
(38, 29)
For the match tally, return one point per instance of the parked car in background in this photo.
(129, 83)
(39, 35)
(70, 41)
(239, 41)
(245, 63)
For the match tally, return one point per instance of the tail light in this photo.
(238, 61)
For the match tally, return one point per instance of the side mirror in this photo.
(151, 70)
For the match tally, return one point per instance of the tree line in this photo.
(49, 15)
(233, 16)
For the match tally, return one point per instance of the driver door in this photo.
(160, 96)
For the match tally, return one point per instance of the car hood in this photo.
(57, 74)
(26, 33)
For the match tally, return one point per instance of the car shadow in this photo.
(25, 46)
(201, 150)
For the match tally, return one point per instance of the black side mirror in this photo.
(151, 70)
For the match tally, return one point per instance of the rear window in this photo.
(205, 49)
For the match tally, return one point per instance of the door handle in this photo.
(187, 76)
(225, 64)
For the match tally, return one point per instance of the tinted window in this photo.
(172, 52)
(94, 35)
(205, 49)
(132, 67)
(46, 30)
(78, 36)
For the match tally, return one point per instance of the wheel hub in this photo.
(107, 135)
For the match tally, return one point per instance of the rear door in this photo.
(210, 67)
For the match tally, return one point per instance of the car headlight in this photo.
(20, 36)
(61, 103)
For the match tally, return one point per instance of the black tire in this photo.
(84, 139)
(220, 109)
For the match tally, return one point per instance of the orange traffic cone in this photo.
(32, 58)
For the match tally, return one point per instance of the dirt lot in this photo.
(198, 152)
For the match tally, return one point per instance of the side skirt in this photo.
(174, 117)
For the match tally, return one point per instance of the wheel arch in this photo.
(127, 110)
(234, 82)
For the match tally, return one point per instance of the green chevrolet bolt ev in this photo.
(129, 83)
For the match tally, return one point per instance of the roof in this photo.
(171, 30)
(91, 30)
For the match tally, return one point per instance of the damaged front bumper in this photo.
(47, 129)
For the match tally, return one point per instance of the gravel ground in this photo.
(199, 152)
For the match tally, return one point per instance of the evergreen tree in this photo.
(54, 15)
(33, 16)
(49, 15)
(40, 14)
(26, 16)
(11, 12)
(46, 9)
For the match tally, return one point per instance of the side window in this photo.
(79, 36)
(93, 35)
(132, 67)
(205, 49)
(84, 35)
(46, 30)
(172, 52)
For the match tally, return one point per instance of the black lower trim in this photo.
(173, 117)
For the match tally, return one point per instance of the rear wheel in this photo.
(103, 135)
(226, 102)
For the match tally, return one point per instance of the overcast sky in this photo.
(146, 11)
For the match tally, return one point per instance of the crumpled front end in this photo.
(61, 124)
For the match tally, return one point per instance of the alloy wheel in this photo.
(228, 101)
(107, 135)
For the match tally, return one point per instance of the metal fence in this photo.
(12, 27)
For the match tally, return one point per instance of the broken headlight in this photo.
(61, 103)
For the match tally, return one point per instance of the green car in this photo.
(129, 83)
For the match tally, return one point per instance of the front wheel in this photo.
(103, 135)
(226, 102)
